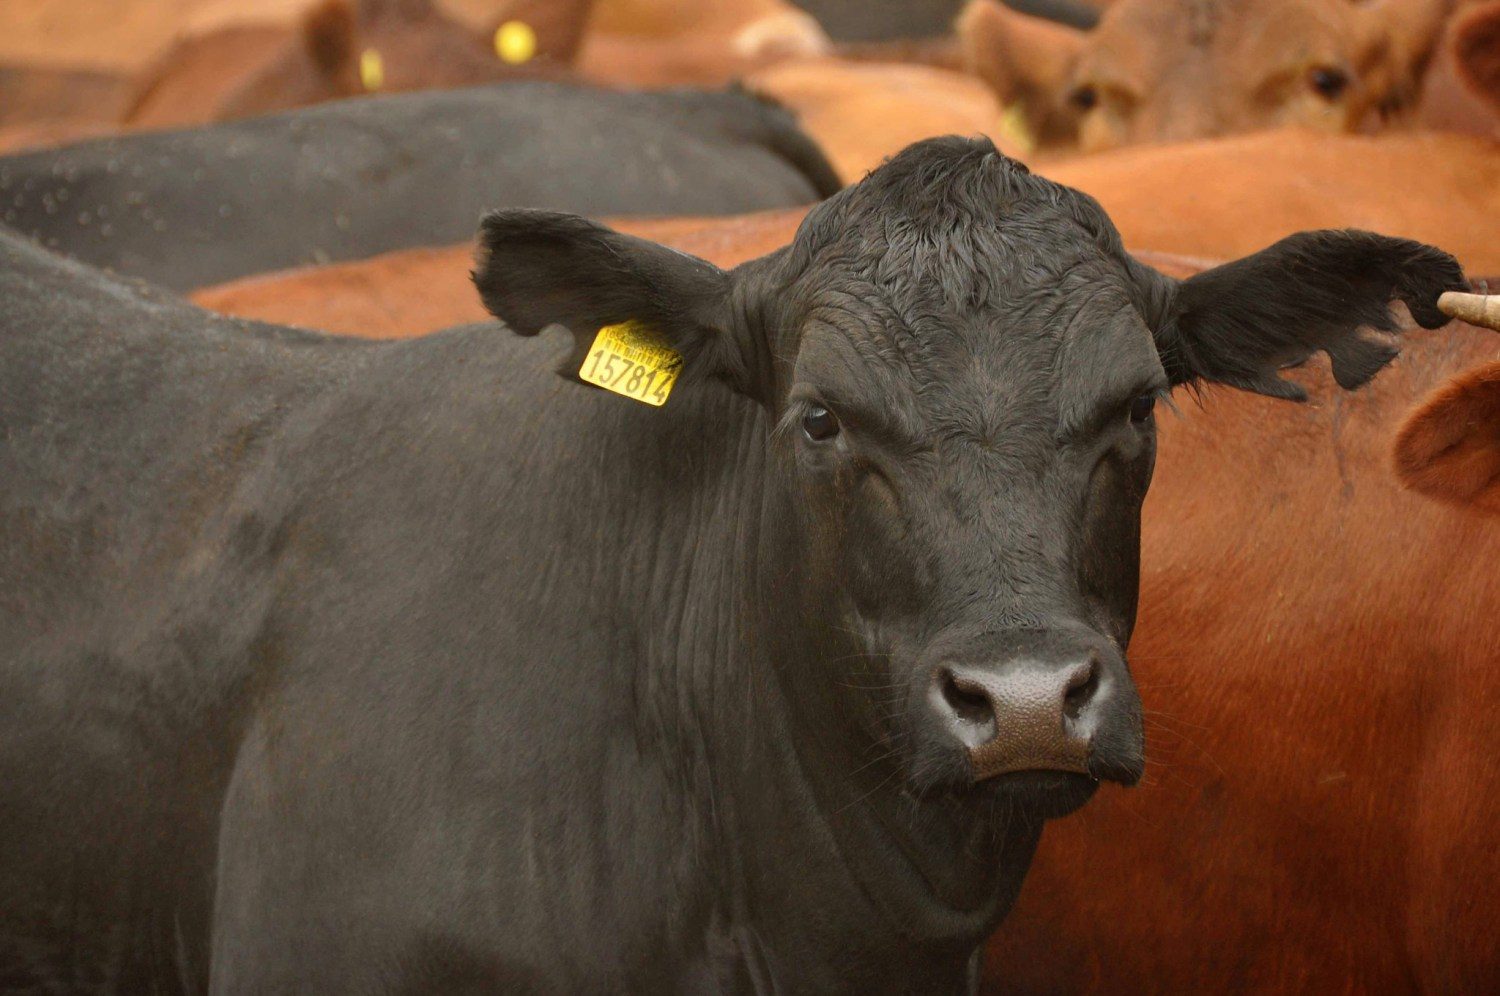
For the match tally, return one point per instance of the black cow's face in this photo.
(966, 435)
(962, 363)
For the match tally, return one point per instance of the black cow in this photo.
(353, 178)
(332, 666)
(893, 20)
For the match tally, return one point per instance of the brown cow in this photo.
(1160, 70)
(667, 42)
(340, 48)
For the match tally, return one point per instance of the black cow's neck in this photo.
(819, 852)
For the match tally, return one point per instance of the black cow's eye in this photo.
(1328, 82)
(819, 423)
(1085, 98)
(1142, 407)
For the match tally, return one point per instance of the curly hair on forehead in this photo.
(955, 218)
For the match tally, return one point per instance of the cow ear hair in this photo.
(1023, 58)
(1474, 41)
(1325, 291)
(1449, 446)
(541, 268)
(328, 33)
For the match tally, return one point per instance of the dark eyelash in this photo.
(793, 416)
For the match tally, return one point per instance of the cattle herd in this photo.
(589, 496)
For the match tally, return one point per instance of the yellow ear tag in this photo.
(1015, 131)
(515, 42)
(632, 360)
(371, 70)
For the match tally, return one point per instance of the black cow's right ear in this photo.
(1326, 291)
(542, 268)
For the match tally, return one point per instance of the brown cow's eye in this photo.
(1085, 98)
(819, 423)
(1142, 407)
(1330, 83)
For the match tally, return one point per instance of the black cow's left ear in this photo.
(1329, 291)
(541, 268)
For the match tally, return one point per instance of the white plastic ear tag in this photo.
(632, 360)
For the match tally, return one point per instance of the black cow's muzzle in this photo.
(1049, 701)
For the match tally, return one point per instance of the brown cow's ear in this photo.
(1449, 446)
(328, 33)
(1328, 291)
(541, 268)
(1023, 58)
(1475, 41)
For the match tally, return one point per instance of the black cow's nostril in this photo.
(969, 704)
(1082, 685)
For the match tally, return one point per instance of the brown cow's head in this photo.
(352, 47)
(1159, 70)
(960, 362)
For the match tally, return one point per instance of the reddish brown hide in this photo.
(32, 96)
(1228, 197)
(1317, 658)
(669, 42)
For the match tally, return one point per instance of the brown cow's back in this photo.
(416, 291)
(1222, 198)
(195, 77)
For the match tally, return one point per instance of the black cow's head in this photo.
(963, 363)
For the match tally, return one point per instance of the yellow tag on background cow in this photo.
(632, 360)
(1015, 131)
(371, 70)
(515, 42)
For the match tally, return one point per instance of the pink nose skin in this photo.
(1027, 716)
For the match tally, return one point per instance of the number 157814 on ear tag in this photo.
(632, 360)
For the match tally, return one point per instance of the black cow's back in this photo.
(354, 178)
(134, 434)
(244, 566)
